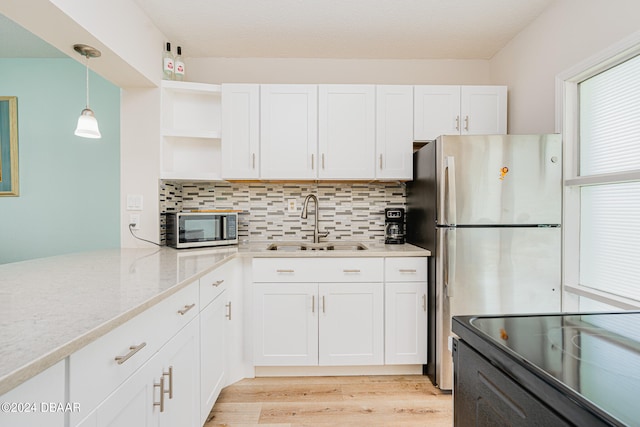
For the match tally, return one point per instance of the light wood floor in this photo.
(372, 401)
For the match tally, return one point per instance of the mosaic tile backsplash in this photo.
(348, 211)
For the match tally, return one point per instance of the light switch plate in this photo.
(291, 205)
(134, 202)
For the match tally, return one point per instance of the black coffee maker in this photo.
(394, 226)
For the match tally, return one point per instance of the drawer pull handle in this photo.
(407, 270)
(186, 308)
(159, 385)
(228, 315)
(351, 271)
(218, 283)
(285, 271)
(170, 375)
(132, 350)
(313, 303)
(324, 306)
(424, 302)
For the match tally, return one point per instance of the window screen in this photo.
(610, 212)
(610, 120)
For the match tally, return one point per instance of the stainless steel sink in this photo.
(323, 246)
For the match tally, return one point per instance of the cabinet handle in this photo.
(218, 283)
(324, 307)
(170, 375)
(285, 271)
(228, 315)
(351, 271)
(159, 385)
(253, 160)
(313, 303)
(424, 302)
(380, 161)
(458, 123)
(466, 123)
(313, 161)
(132, 350)
(407, 270)
(186, 308)
(322, 160)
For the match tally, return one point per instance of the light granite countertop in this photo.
(52, 307)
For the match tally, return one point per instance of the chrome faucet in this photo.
(305, 205)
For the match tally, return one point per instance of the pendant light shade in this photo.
(87, 124)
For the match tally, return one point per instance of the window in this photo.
(602, 203)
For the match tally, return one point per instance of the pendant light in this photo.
(87, 123)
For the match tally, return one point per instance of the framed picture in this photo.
(8, 146)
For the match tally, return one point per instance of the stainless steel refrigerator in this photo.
(489, 209)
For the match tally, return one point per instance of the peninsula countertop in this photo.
(52, 307)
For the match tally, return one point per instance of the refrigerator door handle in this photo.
(450, 246)
(450, 180)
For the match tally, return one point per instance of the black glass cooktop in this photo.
(597, 355)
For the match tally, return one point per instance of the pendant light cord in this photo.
(87, 79)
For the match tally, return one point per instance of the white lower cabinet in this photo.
(29, 404)
(180, 360)
(406, 311)
(286, 324)
(130, 404)
(164, 392)
(213, 351)
(351, 327)
(301, 322)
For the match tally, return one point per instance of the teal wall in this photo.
(69, 186)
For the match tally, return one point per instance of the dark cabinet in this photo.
(486, 396)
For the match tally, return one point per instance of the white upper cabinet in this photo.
(346, 131)
(190, 131)
(483, 110)
(436, 111)
(459, 110)
(240, 131)
(394, 132)
(288, 131)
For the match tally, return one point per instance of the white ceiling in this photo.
(374, 29)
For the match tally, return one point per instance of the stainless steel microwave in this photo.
(199, 229)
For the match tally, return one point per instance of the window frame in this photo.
(567, 123)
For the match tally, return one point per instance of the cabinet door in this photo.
(346, 131)
(436, 112)
(26, 405)
(286, 324)
(135, 403)
(180, 359)
(483, 110)
(212, 354)
(240, 131)
(288, 131)
(394, 132)
(406, 323)
(351, 328)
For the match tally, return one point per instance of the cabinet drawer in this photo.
(316, 270)
(406, 269)
(94, 371)
(214, 283)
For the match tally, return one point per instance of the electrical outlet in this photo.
(291, 205)
(135, 220)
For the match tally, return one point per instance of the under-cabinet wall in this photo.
(349, 211)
